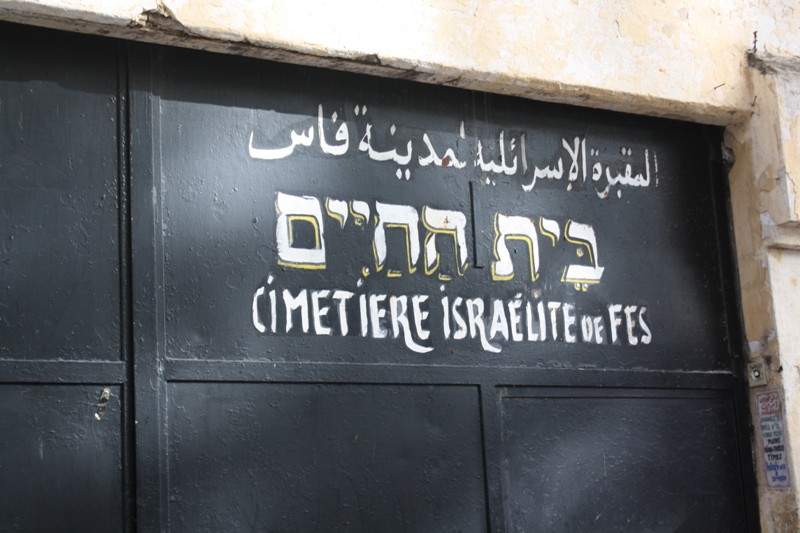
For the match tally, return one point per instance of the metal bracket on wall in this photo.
(757, 375)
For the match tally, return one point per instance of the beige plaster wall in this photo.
(758, 199)
(730, 62)
(764, 183)
(682, 59)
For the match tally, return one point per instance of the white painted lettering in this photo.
(629, 323)
(475, 308)
(499, 322)
(568, 310)
(376, 313)
(256, 319)
(420, 316)
(647, 337)
(461, 325)
(341, 298)
(296, 302)
(318, 312)
(514, 320)
(553, 307)
(614, 320)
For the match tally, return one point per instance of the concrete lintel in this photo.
(152, 21)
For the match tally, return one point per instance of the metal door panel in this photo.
(59, 248)
(620, 460)
(304, 457)
(60, 466)
(64, 446)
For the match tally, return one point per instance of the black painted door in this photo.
(63, 325)
(259, 297)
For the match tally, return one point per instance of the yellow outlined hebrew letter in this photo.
(396, 216)
(452, 223)
(291, 209)
(337, 210)
(360, 212)
(550, 228)
(513, 228)
(582, 275)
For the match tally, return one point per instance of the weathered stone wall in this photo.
(753, 180)
(764, 182)
(730, 62)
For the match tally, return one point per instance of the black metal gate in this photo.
(239, 295)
